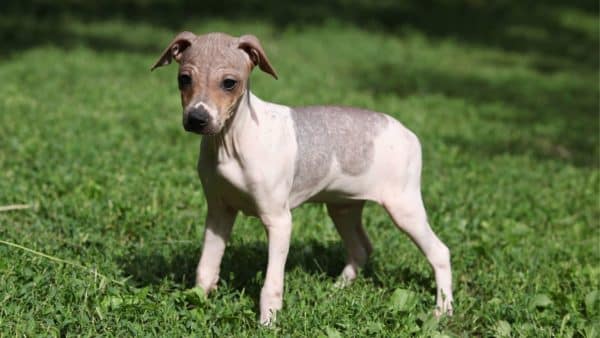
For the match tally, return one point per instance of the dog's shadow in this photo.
(244, 264)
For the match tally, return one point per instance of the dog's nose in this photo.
(197, 120)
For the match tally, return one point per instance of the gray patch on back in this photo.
(327, 132)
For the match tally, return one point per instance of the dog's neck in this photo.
(238, 130)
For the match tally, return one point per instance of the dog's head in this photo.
(213, 75)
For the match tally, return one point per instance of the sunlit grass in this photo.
(91, 139)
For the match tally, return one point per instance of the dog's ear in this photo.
(251, 45)
(175, 49)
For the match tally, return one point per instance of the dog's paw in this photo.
(268, 319)
(347, 276)
(444, 310)
(195, 296)
(342, 282)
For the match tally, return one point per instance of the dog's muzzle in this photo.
(196, 120)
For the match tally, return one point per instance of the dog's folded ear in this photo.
(251, 45)
(182, 41)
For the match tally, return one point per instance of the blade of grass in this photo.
(60, 260)
(14, 207)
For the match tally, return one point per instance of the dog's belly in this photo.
(337, 196)
(337, 189)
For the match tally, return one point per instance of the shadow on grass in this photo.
(241, 263)
(244, 265)
(522, 26)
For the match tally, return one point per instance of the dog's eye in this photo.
(184, 80)
(228, 84)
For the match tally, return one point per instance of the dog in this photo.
(265, 159)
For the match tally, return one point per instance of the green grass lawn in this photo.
(506, 110)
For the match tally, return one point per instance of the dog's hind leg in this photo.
(347, 220)
(408, 212)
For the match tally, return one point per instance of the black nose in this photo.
(197, 120)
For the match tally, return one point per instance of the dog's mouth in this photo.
(209, 128)
(206, 130)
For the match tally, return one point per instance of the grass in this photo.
(507, 111)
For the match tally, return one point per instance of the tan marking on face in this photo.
(213, 62)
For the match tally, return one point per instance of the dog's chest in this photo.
(228, 182)
(231, 173)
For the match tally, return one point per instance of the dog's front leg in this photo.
(219, 221)
(279, 230)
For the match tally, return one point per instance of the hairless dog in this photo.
(265, 159)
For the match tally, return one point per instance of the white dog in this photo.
(265, 159)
